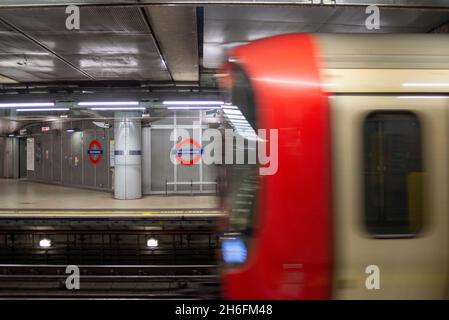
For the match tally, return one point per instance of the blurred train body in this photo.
(363, 177)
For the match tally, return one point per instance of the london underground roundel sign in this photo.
(94, 151)
(194, 150)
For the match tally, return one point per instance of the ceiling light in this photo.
(152, 243)
(45, 243)
(233, 117)
(194, 108)
(117, 109)
(229, 107)
(42, 109)
(108, 103)
(423, 97)
(239, 127)
(238, 120)
(230, 111)
(26, 104)
(202, 103)
(425, 84)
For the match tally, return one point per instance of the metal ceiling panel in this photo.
(110, 56)
(228, 26)
(113, 43)
(22, 60)
(176, 31)
(92, 19)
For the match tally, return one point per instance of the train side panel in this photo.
(407, 235)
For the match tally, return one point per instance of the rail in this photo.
(110, 281)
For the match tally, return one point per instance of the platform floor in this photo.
(27, 195)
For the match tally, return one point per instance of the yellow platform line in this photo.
(104, 212)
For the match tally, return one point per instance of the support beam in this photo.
(430, 4)
(105, 94)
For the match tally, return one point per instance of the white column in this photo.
(128, 156)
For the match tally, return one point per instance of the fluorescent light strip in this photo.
(246, 130)
(194, 108)
(243, 128)
(26, 104)
(108, 103)
(240, 123)
(42, 109)
(229, 107)
(423, 97)
(240, 126)
(234, 117)
(425, 84)
(201, 103)
(229, 111)
(117, 109)
(238, 120)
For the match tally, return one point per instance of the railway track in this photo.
(113, 256)
(109, 281)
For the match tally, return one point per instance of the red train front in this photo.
(312, 219)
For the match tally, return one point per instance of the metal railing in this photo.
(190, 183)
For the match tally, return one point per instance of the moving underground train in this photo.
(359, 205)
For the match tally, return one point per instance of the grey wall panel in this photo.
(88, 167)
(22, 157)
(56, 156)
(77, 158)
(62, 157)
(157, 165)
(15, 158)
(38, 157)
(66, 158)
(161, 166)
(47, 173)
(210, 174)
(2, 156)
(9, 158)
(187, 117)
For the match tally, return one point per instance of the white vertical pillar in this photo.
(128, 156)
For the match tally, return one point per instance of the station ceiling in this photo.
(158, 43)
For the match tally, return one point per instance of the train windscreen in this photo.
(240, 198)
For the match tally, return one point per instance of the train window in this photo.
(242, 182)
(393, 174)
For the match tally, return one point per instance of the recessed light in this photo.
(152, 243)
(45, 243)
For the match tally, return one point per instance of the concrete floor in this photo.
(20, 194)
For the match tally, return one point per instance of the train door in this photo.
(390, 167)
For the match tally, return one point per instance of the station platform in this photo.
(28, 198)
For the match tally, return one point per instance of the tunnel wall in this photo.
(61, 157)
